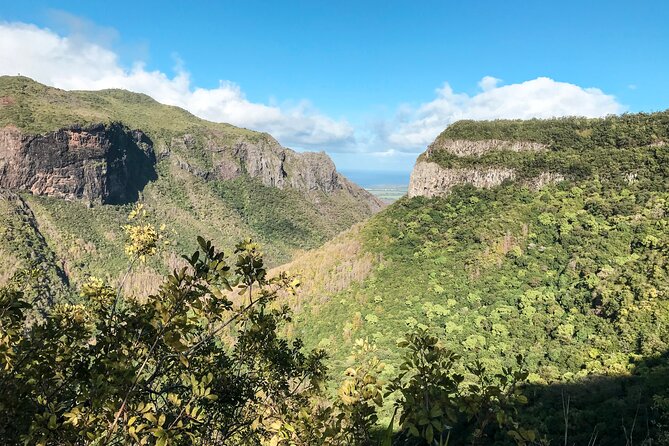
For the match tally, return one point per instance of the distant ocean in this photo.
(369, 179)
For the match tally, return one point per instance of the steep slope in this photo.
(80, 160)
(546, 238)
(26, 256)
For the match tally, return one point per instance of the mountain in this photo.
(546, 238)
(75, 162)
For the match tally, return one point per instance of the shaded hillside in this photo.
(81, 159)
(570, 269)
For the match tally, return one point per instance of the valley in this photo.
(544, 238)
(533, 244)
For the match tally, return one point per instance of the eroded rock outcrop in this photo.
(276, 166)
(430, 179)
(544, 179)
(99, 163)
(111, 164)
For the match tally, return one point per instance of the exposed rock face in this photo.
(101, 164)
(431, 180)
(110, 164)
(544, 179)
(464, 147)
(277, 166)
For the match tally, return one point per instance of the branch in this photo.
(219, 329)
(120, 289)
(141, 369)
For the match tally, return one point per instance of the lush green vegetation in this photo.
(533, 316)
(37, 108)
(575, 276)
(615, 147)
(615, 132)
(25, 253)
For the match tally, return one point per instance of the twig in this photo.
(120, 289)
(593, 437)
(565, 415)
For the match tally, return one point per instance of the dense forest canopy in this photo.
(616, 147)
(574, 276)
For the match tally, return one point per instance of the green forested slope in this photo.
(577, 147)
(574, 276)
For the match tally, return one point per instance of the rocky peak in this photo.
(264, 159)
(277, 166)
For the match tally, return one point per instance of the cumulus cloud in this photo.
(75, 63)
(414, 128)
(75, 60)
(489, 83)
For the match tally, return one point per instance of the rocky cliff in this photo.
(273, 165)
(99, 163)
(430, 179)
(464, 147)
(111, 164)
(65, 153)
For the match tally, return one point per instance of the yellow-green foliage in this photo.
(113, 369)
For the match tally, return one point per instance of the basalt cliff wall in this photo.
(99, 163)
(110, 163)
(430, 179)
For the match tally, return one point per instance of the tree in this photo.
(192, 363)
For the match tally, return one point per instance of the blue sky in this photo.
(370, 82)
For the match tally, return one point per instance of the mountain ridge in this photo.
(81, 159)
(232, 151)
(535, 152)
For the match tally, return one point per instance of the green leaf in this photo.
(202, 243)
(151, 417)
(429, 434)
(52, 422)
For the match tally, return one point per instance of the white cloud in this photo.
(76, 63)
(79, 60)
(489, 83)
(414, 128)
